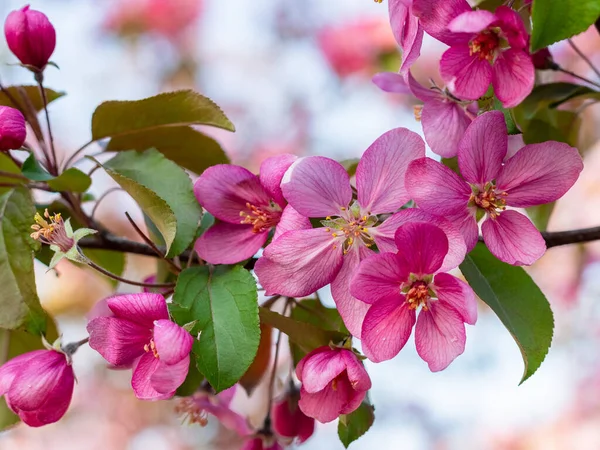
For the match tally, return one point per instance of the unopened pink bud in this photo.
(12, 128)
(38, 386)
(542, 59)
(289, 420)
(30, 36)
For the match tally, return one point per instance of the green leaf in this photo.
(192, 382)
(354, 425)
(307, 336)
(14, 343)
(554, 20)
(7, 165)
(540, 215)
(517, 301)
(350, 165)
(224, 302)
(187, 147)
(511, 126)
(19, 304)
(451, 163)
(118, 118)
(32, 93)
(73, 180)
(551, 95)
(163, 190)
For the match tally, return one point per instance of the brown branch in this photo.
(556, 238)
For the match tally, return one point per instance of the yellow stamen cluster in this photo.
(44, 230)
(152, 347)
(418, 112)
(485, 45)
(261, 219)
(491, 201)
(418, 295)
(191, 412)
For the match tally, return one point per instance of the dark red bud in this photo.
(542, 59)
(12, 129)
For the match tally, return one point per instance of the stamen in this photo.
(152, 347)
(51, 231)
(261, 218)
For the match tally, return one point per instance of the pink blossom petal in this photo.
(539, 173)
(482, 148)
(407, 31)
(13, 368)
(320, 368)
(512, 238)
(436, 188)
(326, 404)
(467, 224)
(224, 189)
(472, 21)
(34, 385)
(391, 82)
(56, 402)
(354, 397)
(168, 377)
(357, 375)
(384, 234)
(515, 143)
(444, 123)
(467, 76)
(317, 186)
(378, 277)
(457, 293)
(271, 173)
(227, 243)
(439, 335)
(253, 444)
(143, 370)
(300, 262)
(382, 168)
(291, 220)
(173, 343)
(423, 246)
(119, 341)
(421, 92)
(513, 28)
(142, 309)
(386, 328)
(435, 15)
(350, 308)
(513, 77)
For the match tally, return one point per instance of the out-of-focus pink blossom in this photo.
(536, 174)
(407, 31)
(397, 284)
(140, 333)
(485, 48)
(355, 47)
(289, 420)
(444, 117)
(30, 36)
(262, 443)
(38, 386)
(12, 128)
(334, 382)
(248, 208)
(299, 262)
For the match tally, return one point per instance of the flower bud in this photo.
(38, 386)
(12, 128)
(30, 36)
(542, 59)
(289, 420)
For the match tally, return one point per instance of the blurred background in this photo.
(295, 77)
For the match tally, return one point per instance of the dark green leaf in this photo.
(187, 147)
(511, 126)
(32, 93)
(551, 95)
(354, 425)
(19, 304)
(163, 190)
(516, 300)
(118, 118)
(73, 180)
(223, 301)
(350, 165)
(7, 165)
(554, 20)
(306, 335)
(540, 215)
(451, 163)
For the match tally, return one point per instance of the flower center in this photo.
(352, 227)
(485, 45)
(418, 294)
(151, 347)
(53, 232)
(261, 218)
(489, 200)
(192, 410)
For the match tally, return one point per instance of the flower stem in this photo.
(573, 74)
(72, 347)
(103, 271)
(77, 152)
(40, 80)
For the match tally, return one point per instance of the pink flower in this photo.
(30, 36)
(196, 408)
(262, 443)
(407, 31)
(248, 207)
(536, 174)
(444, 117)
(485, 48)
(141, 334)
(398, 284)
(12, 128)
(38, 386)
(334, 382)
(288, 419)
(301, 261)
